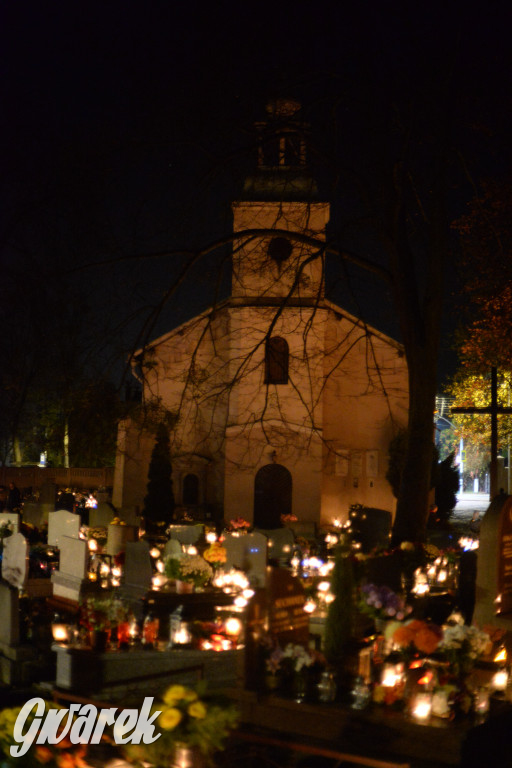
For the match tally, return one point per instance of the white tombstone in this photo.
(248, 552)
(186, 534)
(15, 560)
(62, 523)
(172, 548)
(72, 574)
(11, 520)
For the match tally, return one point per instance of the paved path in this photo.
(468, 507)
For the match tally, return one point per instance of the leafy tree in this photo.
(486, 266)
(159, 501)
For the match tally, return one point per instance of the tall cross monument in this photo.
(495, 410)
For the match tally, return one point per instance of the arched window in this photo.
(276, 361)
(272, 495)
(190, 489)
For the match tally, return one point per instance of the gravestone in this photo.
(371, 527)
(280, 543)
(493, 594)
(70, 579)
(249, 553)
(172, 548)
(62, 524)
(20, 662)
(11, 520)
(15, 560)
(35, 514)
(186, 534)
(288, 622)
(118, 536)
(101, 516)
(138, 572)
(276, 612)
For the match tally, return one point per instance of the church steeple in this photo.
(279, 200)
(282, 166)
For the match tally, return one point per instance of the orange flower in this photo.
(426, 640)
(66, 760)
(43, 754)
(404, 635)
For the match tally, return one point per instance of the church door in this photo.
(272, 496)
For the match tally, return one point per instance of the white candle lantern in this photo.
(60, 633)
(392, 674)
(499, 680)
(421, 706)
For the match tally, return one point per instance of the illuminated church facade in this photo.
(285, 403)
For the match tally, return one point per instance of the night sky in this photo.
(126, 133)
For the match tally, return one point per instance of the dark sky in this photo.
(126, 128)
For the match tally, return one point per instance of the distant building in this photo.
(286, 403)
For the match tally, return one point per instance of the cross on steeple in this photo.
(495, 410)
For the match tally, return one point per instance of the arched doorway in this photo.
(272, 495)
(190, 490)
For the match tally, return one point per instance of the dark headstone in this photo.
(288, 622)
(276, 612)
(371, 527)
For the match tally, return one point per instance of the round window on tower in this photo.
(280, 249)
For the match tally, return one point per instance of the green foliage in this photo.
(159, 500)
(340, 618)
(188, 717)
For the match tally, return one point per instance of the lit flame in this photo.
(426, 679)
(501, 655)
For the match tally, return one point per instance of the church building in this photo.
(284, 402)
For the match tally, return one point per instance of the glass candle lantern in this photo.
(60, 633)
(499, 680)
(421, 706)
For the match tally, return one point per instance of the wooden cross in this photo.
(495, 410)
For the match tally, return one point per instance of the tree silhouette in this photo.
(159, 501)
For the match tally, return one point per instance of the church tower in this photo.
(280, 196)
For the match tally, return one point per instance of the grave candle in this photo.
(499, 680)
(481, 701)
(421, 706)
(60, 633)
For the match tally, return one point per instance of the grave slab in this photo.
(70, 579)
(62, 523)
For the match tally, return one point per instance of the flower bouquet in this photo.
(215, 554)
(417, 636)
(188, 720)
(192, 569)
(382, 604)
(61, 755)
(238, 525)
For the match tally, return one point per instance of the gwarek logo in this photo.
(82, 724)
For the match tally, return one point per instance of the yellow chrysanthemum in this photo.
(170, 718)
(190, 696)
(197, 709)
(174, 694)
